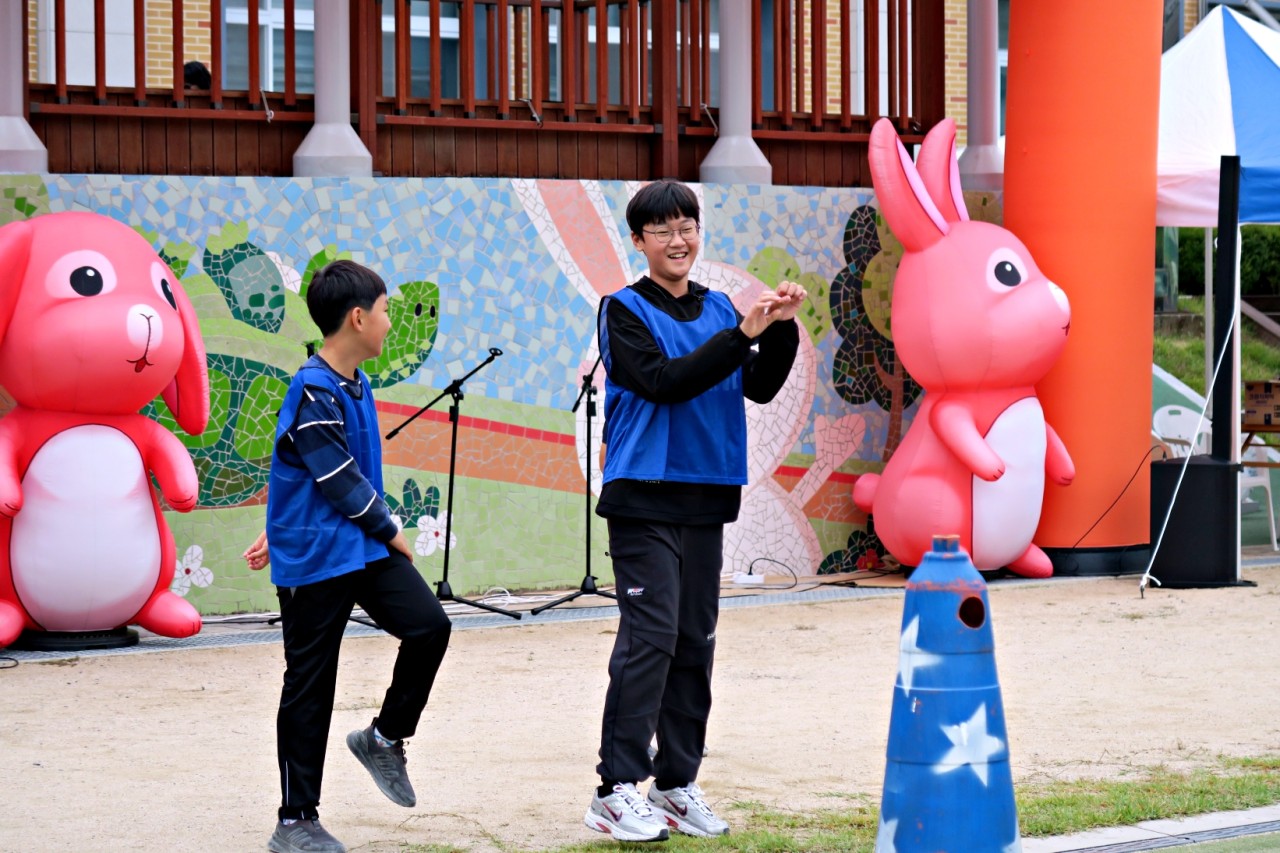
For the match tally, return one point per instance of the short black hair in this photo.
(195, 75)
(660, 201)
(339, 287)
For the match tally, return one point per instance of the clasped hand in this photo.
(772, 306)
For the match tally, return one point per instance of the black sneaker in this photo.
(303, 836)
(386, 764)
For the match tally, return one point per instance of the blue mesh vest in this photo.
(310, 540)
(703, 440)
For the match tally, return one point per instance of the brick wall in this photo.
(33, 55)
(1190, 18)
(196, 37)
(835, 80)
(955, 58)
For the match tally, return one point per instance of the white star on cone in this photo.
(911, 658)
(884, 836)
(972, 745)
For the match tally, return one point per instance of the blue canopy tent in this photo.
(1218, 97)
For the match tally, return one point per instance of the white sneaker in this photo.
(686, 811)
(625, 815)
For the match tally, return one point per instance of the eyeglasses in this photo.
(687, 233)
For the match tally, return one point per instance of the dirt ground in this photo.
(174, 751)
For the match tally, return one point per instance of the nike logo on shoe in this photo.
(612, 813)
(683, 811)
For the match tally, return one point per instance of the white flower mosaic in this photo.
(191, 571)
(431, 533)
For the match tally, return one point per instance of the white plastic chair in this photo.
(1176, 427)
(1259, 478)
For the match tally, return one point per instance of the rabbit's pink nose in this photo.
(1060, 296)
(144, 326)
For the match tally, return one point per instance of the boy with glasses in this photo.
(679, 362)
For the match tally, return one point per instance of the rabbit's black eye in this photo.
(1007, 274)
(168, 293)
(86, 281)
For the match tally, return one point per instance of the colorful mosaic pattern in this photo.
(520, 266)
(866, 365)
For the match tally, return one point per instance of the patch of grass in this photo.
(1054, 808)
(1183, 354)
(1065, 807)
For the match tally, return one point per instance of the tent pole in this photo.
(1236, 386)
(1208, 312)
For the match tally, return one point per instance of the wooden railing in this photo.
(548, 88)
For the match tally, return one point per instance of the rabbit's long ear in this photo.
(15, 251)
(905, 203)
(187, 396)
(940, 171)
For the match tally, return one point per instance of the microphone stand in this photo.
(443, 591)
(588, 586)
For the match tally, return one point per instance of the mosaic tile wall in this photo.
(519, 266)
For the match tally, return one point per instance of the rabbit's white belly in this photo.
(85, 548)
(1007, 512)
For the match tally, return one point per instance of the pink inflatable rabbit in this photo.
(977, 324)
(93, 325)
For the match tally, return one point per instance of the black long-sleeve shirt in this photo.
(639, 365)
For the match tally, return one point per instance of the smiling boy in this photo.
(679, 362)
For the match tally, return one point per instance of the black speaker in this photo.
(1201, 542)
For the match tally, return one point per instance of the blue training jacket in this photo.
(703, 440)
(310, 538)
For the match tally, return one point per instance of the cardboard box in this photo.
(1262, 403)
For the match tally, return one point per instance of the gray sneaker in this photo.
(686, 811)
(386, 764)
(303, 836)
(625, 815)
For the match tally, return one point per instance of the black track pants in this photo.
(313, 618)
(668, 584)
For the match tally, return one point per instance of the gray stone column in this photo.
(332, 148)
(20, 149)
(735, 158)
(982, 163)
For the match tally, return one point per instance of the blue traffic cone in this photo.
(947, 784)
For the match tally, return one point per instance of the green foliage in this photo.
(863, 551)
(414, 307)
(256, 434)
(773, 266)
(22, 197)
(219, 410)
(415, 504)
(250, 281)
(1259, 260)
(1182, 354)
(178, 257)
(255, 332)
(318, 261)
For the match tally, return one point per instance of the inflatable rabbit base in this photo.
(977, 325)
(93, 326)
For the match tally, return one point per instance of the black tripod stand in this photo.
(588, 582)
(443, 591)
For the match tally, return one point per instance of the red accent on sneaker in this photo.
(683, 811)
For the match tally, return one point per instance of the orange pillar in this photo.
(1080, 191)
